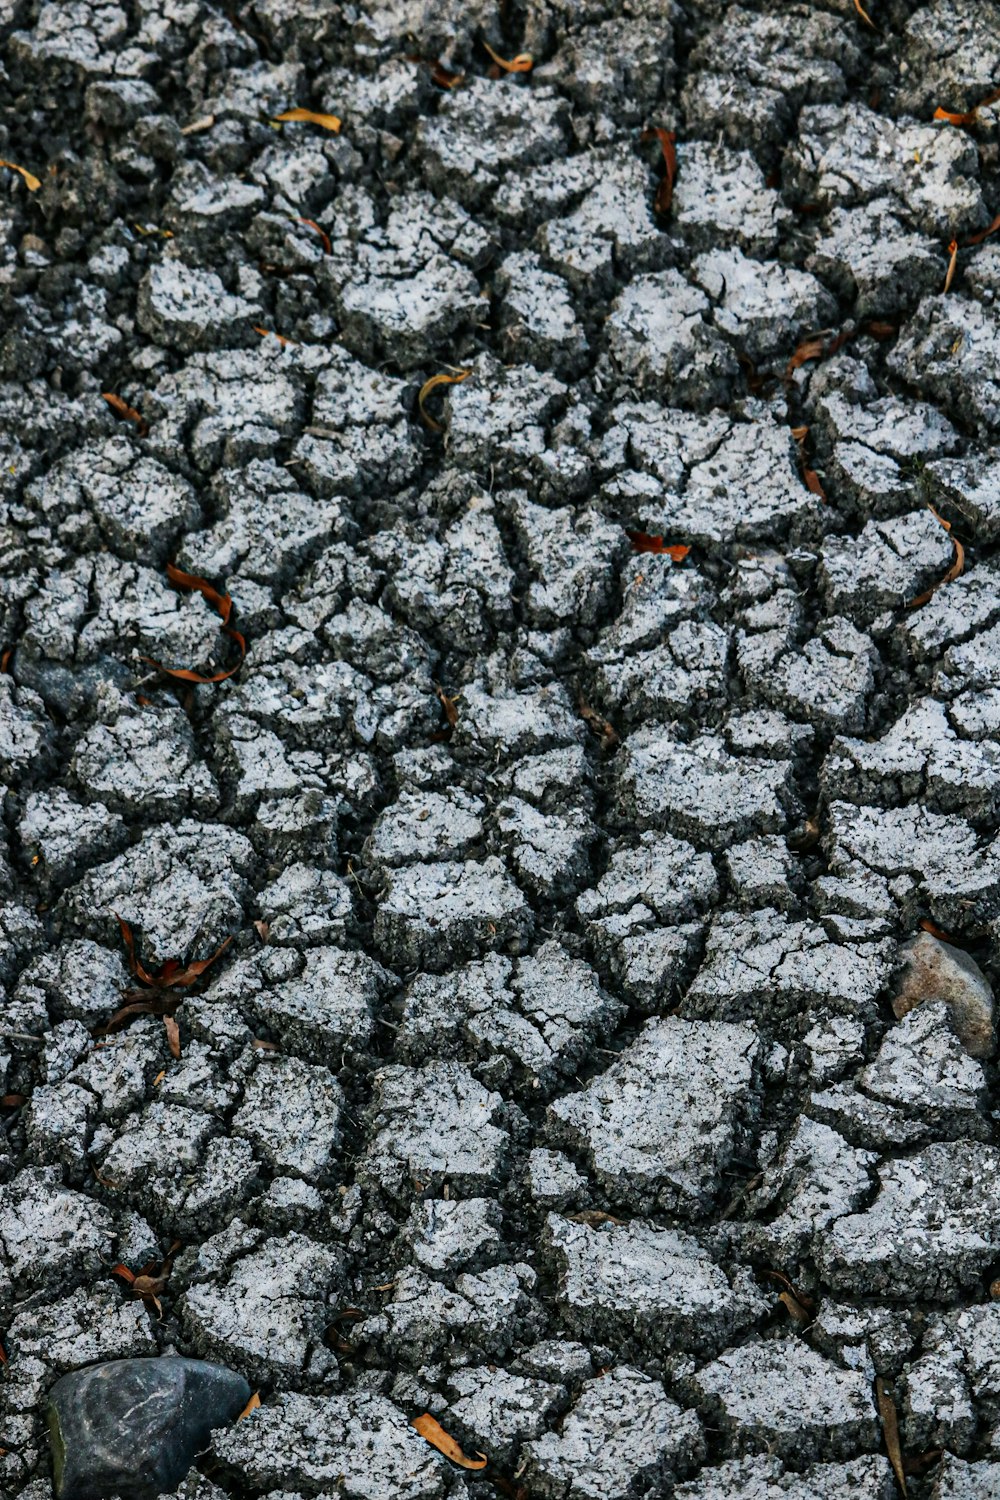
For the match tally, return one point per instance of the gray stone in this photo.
(934, 970)
(132, 1427)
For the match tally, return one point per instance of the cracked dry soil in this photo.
(550, 1083)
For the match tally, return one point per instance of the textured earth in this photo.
(551, 1081)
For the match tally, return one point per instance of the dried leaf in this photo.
(170, 975)
(594, 1216)
(432, 385)
(522, 63)
(968, 118)
(864, 15)
(263, 930)
(799, 434)
(3, 1361)
(953, 572)
(123, 1272)
(444, 77)
(890, 1428)
(793, 1307)
(204, 122)
(309, 117)
(668, 144)
(877, 329)
(926, 925)
(223, 604)
(13, 1101)
(643, 542)
(952, 262)
(5, 659)
(919, 1463)
(812, 482)
(448, 704)
(31, 181)
(266, 333)
(252, 1405)
(802, 1298)
(159, 1078)
(173, 1031)
(432, 1432)
(311, 224)
(984, 234)
(122, 409)
(809, 349)
(605, 731)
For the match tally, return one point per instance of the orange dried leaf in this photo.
(984, 234)
(251, 1405)
(30, 180)
(309, 117)
(952, 262)
(5, 659)
(432, 385)
(643, 542)
(799, 434)
(266, 333)
(864, 15)
(448, 704)
(173, 1031)
(668, 145)
(812, 482)
(926, 925)
(311, 224)
(124, 1273)
(890, 1429)
(809, 349)
(968, 118)
(159, 1078)
(223, 604)
(953, 572)
(432, 1432)
(444, 77)
(122, 409)
(13, 1101)
(522, 63)
(793, 1307)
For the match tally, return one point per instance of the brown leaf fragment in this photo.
(952, 263)
(984, 234)
(448, 704)
(966, 118)
(668, 145)
(953, 572)
(890, 1429)
(223, 604)
(444, 77)
(204, 122)
(919, 1463)
(793, 1307)
(812, 482)
(877, 329)
(6, 657)
(926, 925)
(432, 1432)
(128, 413)
(807, 350)
(170, 975)
(602, 727)
(266, 333)
(262, 1046)
(435, 381)
(13, 1101)
(106, 1182)
(252, 1405)
(806, 1302)
(3, 1361)
(522, 63)
(159, 1078)
(864, 15)
(309, 117)
(262, 930)
(594, 1216)
(31, 182)
(799, 434)
(173, 1031)
(643, 542)
(311, 224)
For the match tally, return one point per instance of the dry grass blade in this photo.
(864, 15)
(952, 263)
(309, 117)
(432, 1432)
(522, 63)
(122, 409)
(668, 145)
(31, 181)
(223, 604)
(311, 224)
(955, 571)
(266, 333)
(444, 77)
(252, 1405)
(926, 925)
(432, 385)
(890, 1428)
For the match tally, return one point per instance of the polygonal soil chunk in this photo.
(662, 1124)
(660, 337)
(622, 1432)
(633, 1286)
(433, 915)
(432, 1126)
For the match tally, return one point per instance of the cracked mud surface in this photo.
(554, 1045)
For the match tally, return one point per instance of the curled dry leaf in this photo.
(448, 704)
(223, 604)
(172, 974)
(812, 482)
(311, 224)
(953, 572)
(984, 234)
(251, 1405)
(802, 1298)
(455, 378)
(952, 263)
(890, 1428)
(668, 145)
(309, 117)
(30, 180)
(173, 1031)
(266, 333)
(807, 350)
(926, 925)
(522, 63)
(122, 409)
(643, 542)
(432, 1432)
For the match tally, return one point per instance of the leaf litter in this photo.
(432, 1432)
(223, 605)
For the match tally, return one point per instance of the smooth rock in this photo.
(132, 1427)
(937, 971)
